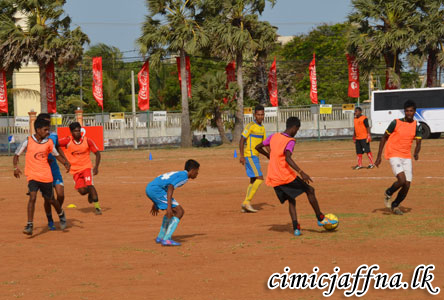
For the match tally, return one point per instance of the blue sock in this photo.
(163, 228)
(171, 228)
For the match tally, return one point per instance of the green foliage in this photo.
(329, 43)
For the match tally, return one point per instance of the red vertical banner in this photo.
(313, 81)
(50, 88)
(230, 70)
(188, 70)
(353, 77)
(144, 87)
(3, 93)
(97, 81)
(272, 84)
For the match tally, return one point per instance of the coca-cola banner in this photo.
(3, 93)
(313, 81)
(50, 88)
(144, 87)
(188, 70)
(272, 84)
(230, 70)
(97, 81)
(353, 77)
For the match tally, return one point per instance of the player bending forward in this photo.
(282, 176)
(160, 191)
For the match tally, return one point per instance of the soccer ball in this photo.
(330, 227)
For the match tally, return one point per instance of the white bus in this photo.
(388, 105)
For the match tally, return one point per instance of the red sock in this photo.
(360, 160)
(370, 157)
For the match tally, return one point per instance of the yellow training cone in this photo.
(72, 206)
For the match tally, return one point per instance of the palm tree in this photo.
(429, 36)
(46, 37)
(234, 26)
(383, 29)
(208, 102)
(177, 32)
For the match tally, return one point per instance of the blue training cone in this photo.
(151, 157)
(235, 154)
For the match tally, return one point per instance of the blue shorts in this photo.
(159, 197)
(56, 175)
(253, 167)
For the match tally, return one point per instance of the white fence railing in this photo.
(174, 119)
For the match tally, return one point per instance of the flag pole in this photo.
(7, 133)
(148, 127)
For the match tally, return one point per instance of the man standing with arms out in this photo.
(362, 139)
(399, 137)
(253, 135)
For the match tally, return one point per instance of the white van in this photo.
(388, 105)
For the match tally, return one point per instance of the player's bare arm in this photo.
(170, 191)
(293, 164)
(96, 168)
(417, 149)
(381, 148)
(15, 162)
(241, 150)
(154, 210)
(261, 149)
(64, 162)
(369, 136)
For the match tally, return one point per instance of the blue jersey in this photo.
(176, 179)
(53, 136)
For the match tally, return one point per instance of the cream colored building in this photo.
(26, 78)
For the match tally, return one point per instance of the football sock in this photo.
(163, 228)
(296, 225)
(400, 197)
(255, 186)
(370, 157)
(360, 160)
(49, 217)
(174, 221)
(96, 203)
(391, 190)
(320, 216)
(62, 216)
(248, 192)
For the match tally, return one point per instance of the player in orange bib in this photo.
(282, 176)
(399, 137)
(362, 138)
(77, 149)
(38, 172)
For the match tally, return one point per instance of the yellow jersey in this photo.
(254, 134)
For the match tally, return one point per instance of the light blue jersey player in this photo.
(56, 174)
(161, 190)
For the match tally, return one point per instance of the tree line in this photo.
(391, 40)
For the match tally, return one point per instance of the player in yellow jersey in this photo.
(253, 135)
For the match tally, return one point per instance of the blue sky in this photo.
(117, 22)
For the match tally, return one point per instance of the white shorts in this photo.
(402, 165)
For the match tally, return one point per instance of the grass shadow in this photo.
(70, 224)
(259, 206)
(388, 211)
(185, 237)
(91, 209)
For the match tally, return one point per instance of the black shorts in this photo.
(362, 146)
(45, 188)
(291, 190)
